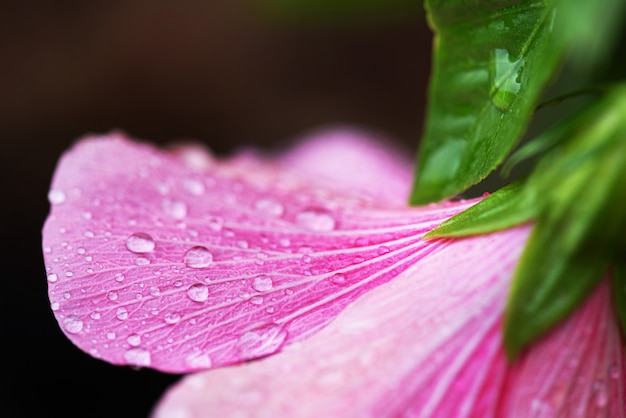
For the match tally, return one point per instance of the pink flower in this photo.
(180, 262)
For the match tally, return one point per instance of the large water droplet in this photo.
(121, 313)
(198, 257)
(317, 220)
(262, 283)
(198, 292)
(270, 207)
(505, 77)
(137, 357)
(175, 209)
(52, 277)
(140, 243)
(198, 360)
(262, 341)
(56, 197)
(73, 324)
(133, 340)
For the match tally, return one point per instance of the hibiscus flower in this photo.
(311, 265)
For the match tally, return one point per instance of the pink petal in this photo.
(426, 344)
(179, 262)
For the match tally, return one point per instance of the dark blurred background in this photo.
(223, 72)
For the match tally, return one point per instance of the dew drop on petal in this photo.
(171, 318)
(56, 197)
(110, 335)
(198, 292)
(73, 324)
(140, 243)
(142, 261)
(112, 295)
(121, 313)
(317, 220)
(270, 207)
(133, 340)
(262, 283)
(215, 223)
(175, 209)
(198, 257)
(262, 341)
(194, 187)
(52, 277)
(138, 357)
(256, 300)
(383, 249)
(54, 306)
(198, 360)
(338, 279)
(95, 315)
(155, 291)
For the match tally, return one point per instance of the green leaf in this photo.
(583, 182)
(492, 60)
(507, 207)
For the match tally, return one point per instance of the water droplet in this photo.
(56, 197)
(86, 215)
(361, 242)
(73, 324)
(505, 76)
(137, 357)
(95, 315)
(155, 291)
(270, 207)
(121, 313)
(256, 300)
(112, 295)
(284, 242)
(198, 360)
(89, 234)
(383, 249)
(47, 250)
(194, 187)
(601, 397)
(133, 339)
(358, 259)
(175, 209)
(142, 261)
(80, 250)
(215, 223)
(52, 277)
(262, 341)
(242, 244)
(198, 292)
(110, 335)
(68, 274)
(198, 257)
(140, 243)
(54, 306)
(338, 279)
(171, 318)
(317, 220)
(262, 283)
